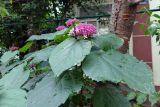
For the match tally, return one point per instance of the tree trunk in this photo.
(122, 20)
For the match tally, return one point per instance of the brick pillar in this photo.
(142, 43)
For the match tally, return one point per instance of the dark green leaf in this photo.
(156, 16)
(109, 97)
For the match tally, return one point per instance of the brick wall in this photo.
(141, 42)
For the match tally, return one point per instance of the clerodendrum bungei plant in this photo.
(75, 68)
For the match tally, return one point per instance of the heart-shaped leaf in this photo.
(117, 67)
(67, 54)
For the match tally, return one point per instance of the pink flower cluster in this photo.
(60, 28)
(13, 48)
(71, 21)
(84, 30)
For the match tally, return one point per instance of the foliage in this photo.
(154, 27)
(25, 19)
(28, 17)
(79, 67)
(154, 31)
(3, 10)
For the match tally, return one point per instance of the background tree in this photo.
(122, 20)
(28, 17)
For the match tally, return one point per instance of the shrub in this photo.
(72, 70)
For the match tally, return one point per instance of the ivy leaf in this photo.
(67, 54)
(109, 96)
(15, 78)
(13, 98)
(49, 36)
(116, 67)
(108, 41)
(52, 91)
(7, 56)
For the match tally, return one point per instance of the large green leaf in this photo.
(41, 55)
(109, 97)
(15, 78)
(108, 41)
(13, 98)
(7, 56)
(67, 54)
(52, 91)
(117, 67)
(6, 68)
(49, 36)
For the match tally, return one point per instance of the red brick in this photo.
(142, 48)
